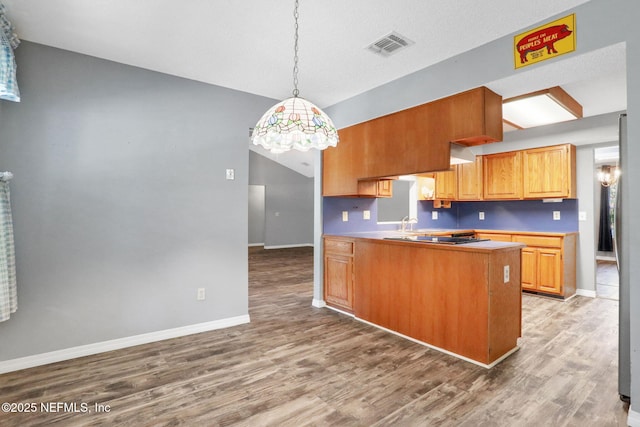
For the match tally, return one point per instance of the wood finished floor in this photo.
(296, 365)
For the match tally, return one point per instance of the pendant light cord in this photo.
(295, 52)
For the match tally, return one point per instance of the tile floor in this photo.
(607, 283)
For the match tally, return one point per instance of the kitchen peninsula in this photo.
(463, 299)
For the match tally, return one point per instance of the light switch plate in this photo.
(366, 214)
(556, 215)
(231, 174)
(481, 216)
(345, 216)
(582, 216)
(506, 274)
(434, 214)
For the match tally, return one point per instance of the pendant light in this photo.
(295, 122)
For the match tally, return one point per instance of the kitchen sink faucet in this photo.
(408, 221)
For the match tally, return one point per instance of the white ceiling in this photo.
(248, 45)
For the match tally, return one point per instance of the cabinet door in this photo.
(550, 270)
(470, 180)
(375, 188)
(426, 187)
(341, 167)
(529, 268)
(447, 184)
(385, 188)
(502, 175)
(338, 281)
(547, 172)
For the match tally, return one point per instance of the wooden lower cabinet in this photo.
(542, 270)
(494, 236)
(549, 264)
(548, 260)
(451, 298)
(338, 273)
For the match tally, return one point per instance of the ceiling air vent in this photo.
(390, 44)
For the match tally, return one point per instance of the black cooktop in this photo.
(443, 240)
(448, 240)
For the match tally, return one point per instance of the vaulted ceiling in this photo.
(248, 45)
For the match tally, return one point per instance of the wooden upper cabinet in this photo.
(502, 175)
(385, 188)
(375, 188)
(550, 172)
(411, 141)
(426, 187)
(447, 184)
(476, 117)
(470, 180)
(341, 164)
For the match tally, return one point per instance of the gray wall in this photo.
(586, 263)
(256, 214)
(120, 202)
(600, 23)
(289, 202)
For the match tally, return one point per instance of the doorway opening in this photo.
(257, 215)
(607, 278)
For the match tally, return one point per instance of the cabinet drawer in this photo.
(497, 237)
(338, 246)
(539, 241)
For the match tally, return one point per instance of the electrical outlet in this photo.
(434, 214)
(506, 274)
(201, 294)
(481, 216)
(345, 216)
(556, 215)
(231, 174)
(366, 214)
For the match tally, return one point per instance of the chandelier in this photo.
(608, 175)
(294, 123)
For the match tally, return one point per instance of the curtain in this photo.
(605, 240)
(8, 291)
(8, 42)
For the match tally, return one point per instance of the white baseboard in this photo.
(104, 346)
(450, 353)
(586, 293)
(256, 244)
(633, 419)
(318, 303)
(300, 245)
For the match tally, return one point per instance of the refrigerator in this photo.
(622, 250)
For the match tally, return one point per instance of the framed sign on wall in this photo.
(545, 42)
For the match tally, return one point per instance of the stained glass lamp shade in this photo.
(294, 123)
